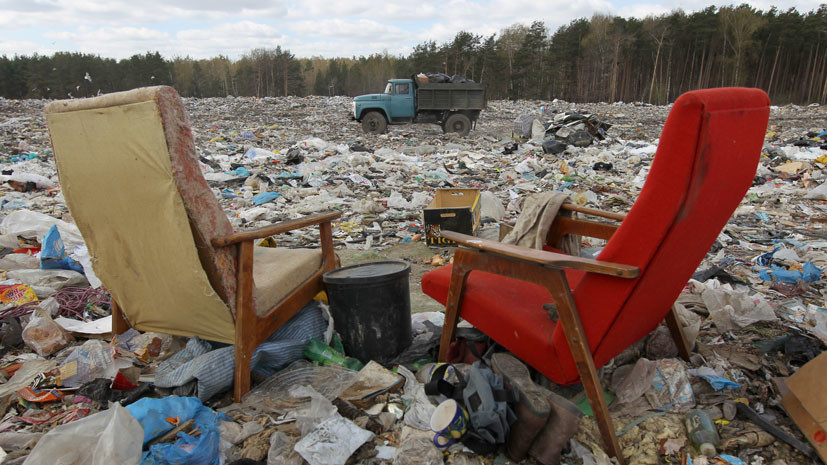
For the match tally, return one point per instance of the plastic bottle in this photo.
(702, 432)
(318, 351)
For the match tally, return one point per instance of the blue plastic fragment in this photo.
(810, 274)
(732, 460)
(240, 171)
(264, 197)
(718, 382)
(766, 258)
(53, 254)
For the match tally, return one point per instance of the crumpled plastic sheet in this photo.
(332, 442)
(732, 308)
(212, 369)
(26, 374)
(671, 390)
(105, 438)
(419, 413)
(276, 394)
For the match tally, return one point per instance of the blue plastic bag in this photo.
(264, 197)
(811, 274)
(53, 253)
(152, 414)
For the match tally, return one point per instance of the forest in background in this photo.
(601, 59)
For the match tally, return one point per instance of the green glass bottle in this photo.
(702, 432)
(318, 351)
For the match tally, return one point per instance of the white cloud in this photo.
(350, 30)
(11, 48)
(206, 28)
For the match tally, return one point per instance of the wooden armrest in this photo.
(541, 257)
(563, 225)
(276, 228)
(592, 211)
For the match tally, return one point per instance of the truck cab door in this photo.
(402, 102)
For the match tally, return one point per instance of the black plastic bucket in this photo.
(371, 307)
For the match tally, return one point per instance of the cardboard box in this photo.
(806, 403)
(452, 210)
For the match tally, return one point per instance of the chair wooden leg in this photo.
(459, 275)
(245, 339)
(119, 323)
(675, 330)
(579, 345)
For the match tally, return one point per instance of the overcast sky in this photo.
(329, 28)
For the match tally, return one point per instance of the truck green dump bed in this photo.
(465, 96)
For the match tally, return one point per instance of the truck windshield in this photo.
(389, 88)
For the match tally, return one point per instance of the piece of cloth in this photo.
(534, 222)
(207, 371)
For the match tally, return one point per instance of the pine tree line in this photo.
(604, 58)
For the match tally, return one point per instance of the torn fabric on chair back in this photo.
(705, 163)
(131, 179)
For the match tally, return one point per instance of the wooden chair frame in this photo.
(547, 269)
(251, 329)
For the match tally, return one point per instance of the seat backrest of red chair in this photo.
(705, 162)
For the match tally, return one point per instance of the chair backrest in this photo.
(705, 163)
(131, 178)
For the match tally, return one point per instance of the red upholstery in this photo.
(706, 161)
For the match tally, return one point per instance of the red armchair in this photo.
(707, 158)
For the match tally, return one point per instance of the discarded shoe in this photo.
(562, 424)
(532, 408)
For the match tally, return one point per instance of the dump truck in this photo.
(455, 107)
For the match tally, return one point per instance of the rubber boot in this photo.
(561, 426)
(532, 408)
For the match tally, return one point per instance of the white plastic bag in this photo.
(31, 224)
(332, 442)
(105, 438)
(43, 335)
(90, 361)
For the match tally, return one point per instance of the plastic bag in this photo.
(320, 409)
(105, 438)
(43, 335)
(281, 450)
(53, 253)
(418, 451)
(17, 294)
(152, 414)
(274, 394)
(29, 224)
(90, 361)
(332, 442)
(671, 390)
(46, 282)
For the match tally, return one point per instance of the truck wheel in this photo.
(374, 123)
(458, 123)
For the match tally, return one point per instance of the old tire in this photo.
(458, 123)
(374, 123)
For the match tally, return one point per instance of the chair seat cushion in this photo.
(278, 271)
(489, 304)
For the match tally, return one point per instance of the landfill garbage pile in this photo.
(441, 78)
(754, 310)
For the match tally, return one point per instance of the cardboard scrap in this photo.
(806, 403)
